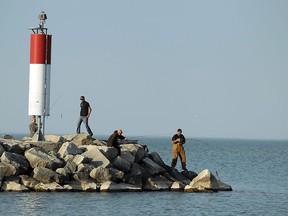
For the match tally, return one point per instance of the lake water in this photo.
(256, 170)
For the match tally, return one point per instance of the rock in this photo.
(117, 175)
(204, 182)
(78, 159)
(2, 150)
(99, 143)
(49, 187)
(46, 176)
(151, 167)
(70, 167)
(69, 137)
(158, 183)
(13, 146)
(83, 167)
(157, 159)
(7, 169)
(62, 172)
(1, 179)
(68, 158)
(178, 176)
(96, 157)
(46, 145)
(189, 174)
(136, 150)
(69, 148)
(88, 186)
(74, 186)
(122, 187)
(126, 155)
(18, 161)
(55, 139)
(109, 152)
(135, 176)
(14, 186)
(82, 139)
(28, 181)
(177, 186)
(223, 186)
(101, 174)
(38, 157)
(81, 176)
(121, 164)
(7, 136)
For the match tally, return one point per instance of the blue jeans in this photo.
(85, 120)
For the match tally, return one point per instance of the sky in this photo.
(216, 69)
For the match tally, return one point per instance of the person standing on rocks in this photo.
(113, 140)
(33, 127)
(178, 140)
(85, 112)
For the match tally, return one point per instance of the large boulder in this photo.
(204, 182)
(7, 169)
(157, 159)
(121, 164)
(177, 186)
(55, 139)
(136, 176)
(28, 182)
(69, 137)
(78, 159)
(136, 150)
(223, 186)
(117, 175)
(2, 150)
(46, 145)
(81, 176)
(18, 161)
(189, 174)
(95, 156)
(69, 148)
(101, 174)
(49, 187)
(46, 176)
(13, 146)
(14, 186)
(38, 157)
(177, 175)
(83, 167)
(122, 187)
(109, 152)
(126, 155)
(158, 183)
(152, 167)
(82, 139)
(88, 186)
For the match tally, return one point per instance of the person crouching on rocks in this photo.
(178, 140)
(113, 140)
(33, 127)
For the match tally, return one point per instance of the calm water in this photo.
(257, 171)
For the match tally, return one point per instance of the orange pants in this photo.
(178, 150)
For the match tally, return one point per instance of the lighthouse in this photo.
(40, 75)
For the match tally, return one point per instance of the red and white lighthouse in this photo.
(40, 75)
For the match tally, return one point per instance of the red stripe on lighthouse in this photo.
(37, 48)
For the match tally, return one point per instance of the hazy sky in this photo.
(212, 68)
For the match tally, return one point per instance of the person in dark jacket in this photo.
(84, 115)
(33, 127)
(178, 140)
(113, 140)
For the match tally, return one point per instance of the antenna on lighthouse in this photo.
(40, 75)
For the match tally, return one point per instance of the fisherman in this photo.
(84, 115)
(113, 140)
(178, 140)
(33, 127)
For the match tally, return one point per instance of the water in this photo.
(257, 171)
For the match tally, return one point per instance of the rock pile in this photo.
(80, 163)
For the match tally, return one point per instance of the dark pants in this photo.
(85, 120)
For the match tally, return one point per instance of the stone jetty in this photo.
(81, 163)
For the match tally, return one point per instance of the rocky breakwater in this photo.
(80, 163)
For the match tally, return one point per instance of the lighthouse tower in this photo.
(40, 75)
